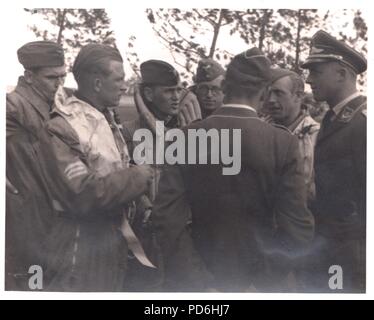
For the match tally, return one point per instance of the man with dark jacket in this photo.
(29, 211)
(246, 227)
(340, 165)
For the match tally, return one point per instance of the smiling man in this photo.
(285, 106)
(340, 163)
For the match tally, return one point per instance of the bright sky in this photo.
(126, 21)
(127, 17)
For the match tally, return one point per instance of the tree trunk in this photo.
(265, 21)
(61, 23)
(216, 30)
(298, 45)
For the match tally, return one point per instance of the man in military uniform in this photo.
(208, 86)
(91, 180)
(340, 164)
(245, 227)
(29, 211)
(158, 98)
(285, 106)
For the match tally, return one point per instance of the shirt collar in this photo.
(341, 104)
(242, 106)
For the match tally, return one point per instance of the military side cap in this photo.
(325, 48)
(41, 54)
(278, 73)
(91, 54)
(208, 70)
(159, 73)
(249, 68)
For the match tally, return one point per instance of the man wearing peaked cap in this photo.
(340, 162)
(208, 85)
(29, 212)
(238, 221)
(326, 48)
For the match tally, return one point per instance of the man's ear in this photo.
(97, 84)
(264, 93)
(29, 76)
(342, 73)
(148, 94)
(224, 86)
(299, 95)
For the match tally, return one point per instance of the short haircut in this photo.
(232, 89)
(99, 68)
(298, 84)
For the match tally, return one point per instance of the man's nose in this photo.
(209, 93)
(309, 79)
(176, 95)
(272, 98)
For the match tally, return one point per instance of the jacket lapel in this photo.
(40, 106)
(342, 119)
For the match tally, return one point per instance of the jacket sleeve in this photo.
(359, 145)
(12, 114)
(76, 186)
(170, 217)
(293, 221)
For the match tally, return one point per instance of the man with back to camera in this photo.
(245, 227)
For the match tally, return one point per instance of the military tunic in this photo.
(340, 206)
(243, 225)
(306, 130)
(29, 214)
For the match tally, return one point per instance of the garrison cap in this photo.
(91, 54)
(249, 68)
(208, 70)
(325, 48)
(159, 73)
(41, 54)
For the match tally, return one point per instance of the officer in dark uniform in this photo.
(29, 211)
(340, 165)
(208, 85)
(245, 227)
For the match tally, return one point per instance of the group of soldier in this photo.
(79, 206)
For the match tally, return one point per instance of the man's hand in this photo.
(10, 188)
(190, 110)
(143, 109)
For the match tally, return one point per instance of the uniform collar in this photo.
(36, 100)
(341, 104)
(237, 105)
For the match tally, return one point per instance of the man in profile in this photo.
(29, 207)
